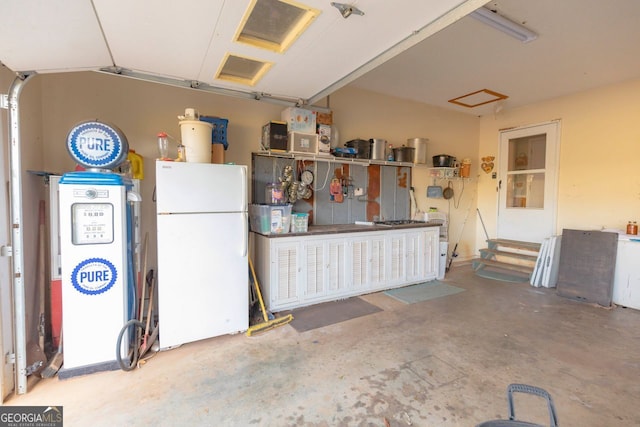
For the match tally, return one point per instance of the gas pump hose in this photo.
(128, 366)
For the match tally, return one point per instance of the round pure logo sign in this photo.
(94, 276)
(95, 144)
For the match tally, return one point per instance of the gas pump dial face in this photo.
(92, 223)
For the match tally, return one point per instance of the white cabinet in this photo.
(377, 261)
(626, 284)
(430, 255)
(396, 257)
(415, 256)
(360, 249)
(316, 263)
(302, 270)
(282, 261)
(337, 265)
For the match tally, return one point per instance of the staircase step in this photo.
(514, 244)
(488, 253)
(479, 263)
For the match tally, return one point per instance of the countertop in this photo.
(350, 228)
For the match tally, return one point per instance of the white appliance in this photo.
(203, 280)
(55, 252)
(97, 250)
(626, 283)
(97, 281)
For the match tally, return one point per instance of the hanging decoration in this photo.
(487, 164)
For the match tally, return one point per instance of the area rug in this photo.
(423, 292)
(329, 313)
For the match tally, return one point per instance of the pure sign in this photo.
(94, 276)
(97, 145)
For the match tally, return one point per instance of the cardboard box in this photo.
(324, 118)
(299, 120)
(274, 136)
(217, 153)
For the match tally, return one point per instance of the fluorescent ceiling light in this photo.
(503, 24)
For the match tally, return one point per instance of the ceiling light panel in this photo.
(503, 24)
(275, 24)
(243, 70)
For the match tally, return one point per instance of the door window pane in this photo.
(527, 152)
(525, 190)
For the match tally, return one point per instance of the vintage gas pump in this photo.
(96, 231)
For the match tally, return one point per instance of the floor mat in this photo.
(423, 291)
(329, 313)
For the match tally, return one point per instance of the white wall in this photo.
(599, 178)
(142, 109)
(362, 114)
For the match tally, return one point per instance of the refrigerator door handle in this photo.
(244, 187)
(246, 234)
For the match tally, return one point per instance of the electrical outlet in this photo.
(359, 191)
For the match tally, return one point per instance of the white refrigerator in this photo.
(202, 223)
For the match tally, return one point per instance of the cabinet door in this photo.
(337, 266)
(359, 263)
(377, 262)
(430, 256)
(285, 274)
(396, 259)
(315, 269)
(415, 256)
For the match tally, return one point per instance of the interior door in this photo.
(528, 182)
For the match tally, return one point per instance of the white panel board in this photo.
(332, 46)
(51, 36)
(552, 263)
(536, 277)
(164, 37)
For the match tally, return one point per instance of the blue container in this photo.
(219, 132)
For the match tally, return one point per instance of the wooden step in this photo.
(479, 263)
(489, 253)
(514, 244)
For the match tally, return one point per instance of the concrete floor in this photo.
(444, 362)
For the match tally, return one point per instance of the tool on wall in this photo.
(454, 252)
(482, 222)
(335, 191)
(434, 191)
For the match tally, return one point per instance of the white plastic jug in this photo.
(196, 138)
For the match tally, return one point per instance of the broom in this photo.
(56, 361)
(267, 324)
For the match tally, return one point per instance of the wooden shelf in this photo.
(447, 174)
(331, 159)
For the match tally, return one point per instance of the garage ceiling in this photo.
(187, 41)
(581, 45)
(427, 51)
